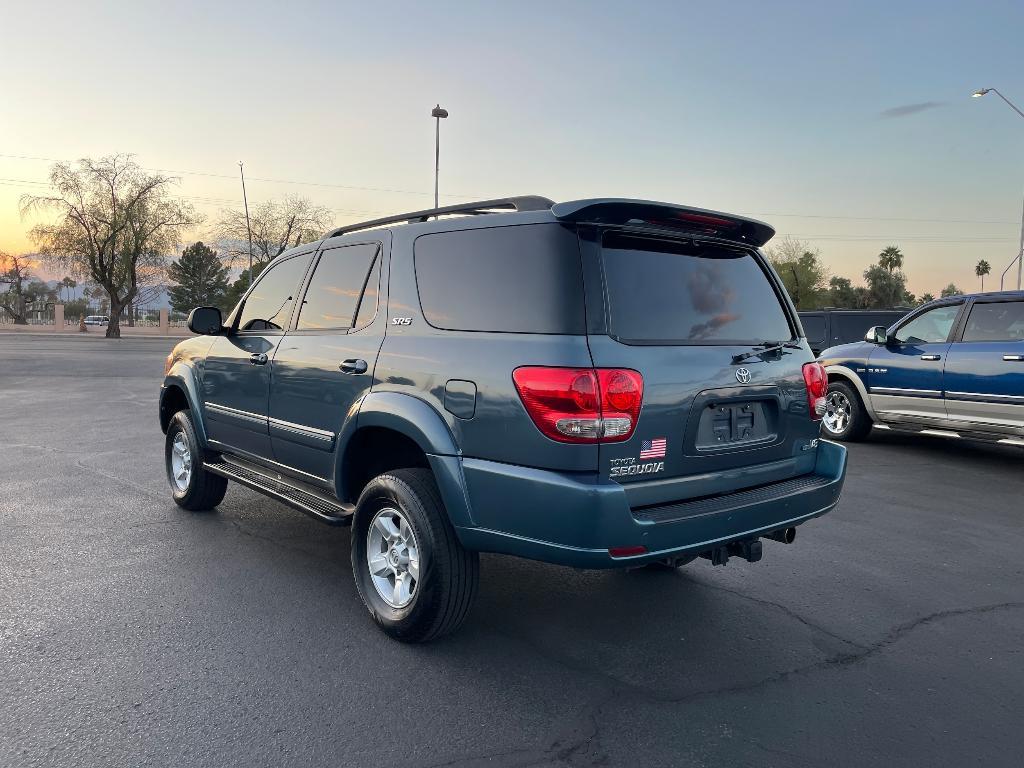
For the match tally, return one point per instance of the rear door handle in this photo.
(931, 357)
(258, 358)
(1013, 358)
(353, 366)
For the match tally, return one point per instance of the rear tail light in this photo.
(581, 405)
(816, 381)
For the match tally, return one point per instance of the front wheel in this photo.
(192, 487)
(845, 417)
(412, 573)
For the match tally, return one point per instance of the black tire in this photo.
(858, 425)
(204, 490)
(448, 573)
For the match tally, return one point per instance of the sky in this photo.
(851, 128)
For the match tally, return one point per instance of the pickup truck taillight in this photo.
(581, 405)
(816, 381)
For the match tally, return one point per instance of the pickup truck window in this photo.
(932, 327)
(996, 321)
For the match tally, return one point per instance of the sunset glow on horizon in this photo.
(850, 129)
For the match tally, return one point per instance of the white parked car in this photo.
(97, 320)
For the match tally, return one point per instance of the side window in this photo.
(269, 304)
(931, 327)
(368, 304)
(814, 327)
(338, 283)
(996, 321)
(519, 279)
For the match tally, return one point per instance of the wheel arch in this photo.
(848, 376)
(392, 430)
(180, 392)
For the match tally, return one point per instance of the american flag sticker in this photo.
(653, 449)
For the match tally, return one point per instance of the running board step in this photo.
(330, 512)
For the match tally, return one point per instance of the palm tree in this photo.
(981, 270)
(891, 258)
(69, 284)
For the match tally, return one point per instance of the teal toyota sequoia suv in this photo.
(600, 383)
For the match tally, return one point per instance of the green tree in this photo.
(68, 284)
(950, 290)
(111, 219)
(76, 308)
(886, 289)
(891, 258)
(239, 287)
(802, 272)
(841, 293)
(925, 298)
(983, 268)
(199, 277)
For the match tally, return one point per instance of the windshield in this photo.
(685, 292)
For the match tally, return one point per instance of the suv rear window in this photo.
(687, 292)
(519, 279)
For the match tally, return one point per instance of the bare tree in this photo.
(14, 273)
(276, 226)
(112, 219)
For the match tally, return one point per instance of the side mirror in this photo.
(876, 335)
(205, 321)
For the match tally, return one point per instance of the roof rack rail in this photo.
(523, 203)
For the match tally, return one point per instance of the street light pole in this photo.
(1020, 254)
(437, 113)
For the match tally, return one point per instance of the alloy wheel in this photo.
(838, 412)
(393, 557)
(181, 462)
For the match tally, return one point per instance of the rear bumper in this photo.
(573, 520)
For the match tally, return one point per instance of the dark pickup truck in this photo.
(830, 327)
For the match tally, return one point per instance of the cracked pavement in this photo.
(133, 633)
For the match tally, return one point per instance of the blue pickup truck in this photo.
(955, 366)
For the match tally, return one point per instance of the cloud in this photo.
(911, 109)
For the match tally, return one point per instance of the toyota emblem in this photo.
(742, 375)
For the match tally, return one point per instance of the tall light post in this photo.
(437, 113)
(1020, 253)
(248, 228)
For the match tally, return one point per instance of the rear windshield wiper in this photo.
(765, 348)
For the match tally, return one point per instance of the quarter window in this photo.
(930, 328)
(996, 321)
(519, 279)
(338, 283)
(269, 303)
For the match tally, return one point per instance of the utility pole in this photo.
(437, 113)
(248, 227)
(1020, 254)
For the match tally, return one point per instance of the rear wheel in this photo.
(192, 487)
(412, 573)
(845, 417)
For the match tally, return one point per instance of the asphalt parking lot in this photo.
(133, 633)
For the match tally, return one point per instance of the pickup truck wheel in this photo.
(845, 417)
(192, 487)
(412, 573)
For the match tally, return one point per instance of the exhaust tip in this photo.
(785, 535)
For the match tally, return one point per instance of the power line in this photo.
(836, 217)
(265, 180)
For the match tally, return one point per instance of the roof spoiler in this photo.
(692, 220)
